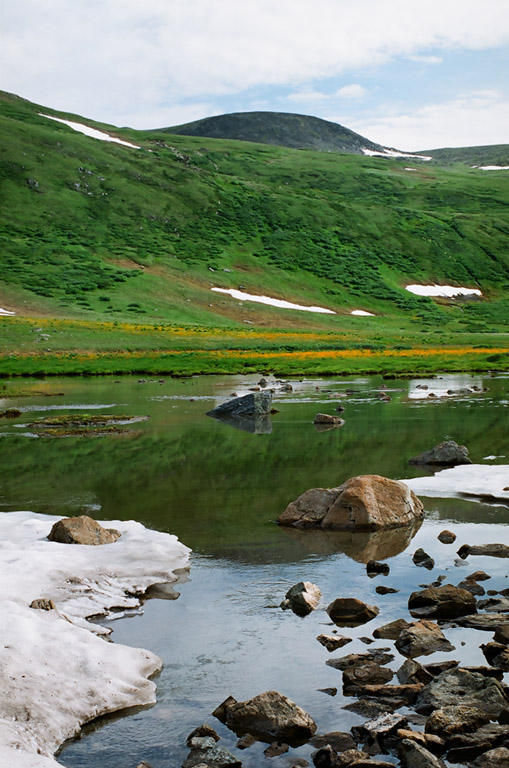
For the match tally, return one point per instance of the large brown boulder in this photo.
(269, 716)
(366, 502)
(82, 530)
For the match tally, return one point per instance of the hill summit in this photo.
(279, 129)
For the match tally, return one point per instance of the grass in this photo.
(109, 253)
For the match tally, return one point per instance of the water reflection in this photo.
(359, 545)
(258, 425)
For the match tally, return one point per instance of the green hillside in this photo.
(93, 230)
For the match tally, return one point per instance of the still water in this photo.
(220, 490)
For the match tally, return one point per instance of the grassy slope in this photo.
(98, 232)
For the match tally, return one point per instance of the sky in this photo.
(410, 75)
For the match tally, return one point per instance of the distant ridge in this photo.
(279, 129)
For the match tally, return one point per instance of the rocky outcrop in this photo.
(446, 602)
(366, 502)
(350, 612)
(82, 530)
(302, 598)
(447, 454)
(269, 716)
(422, 638)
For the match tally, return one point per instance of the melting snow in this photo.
(362, 313)
(44, 701)
(92, 132)
(476, 480)
(442, 290)
(394, 153)
(241, 296)
(6, 312)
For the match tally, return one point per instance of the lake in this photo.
(220, 490)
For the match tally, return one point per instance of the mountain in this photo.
(101, 230)
(279, 129)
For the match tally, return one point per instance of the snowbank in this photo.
(442, 290)
(492, 167)
(361, 313)
(394, 153)
(6, 312)
(58, 672)
(241, 296)
(92, 132)
(482, 481)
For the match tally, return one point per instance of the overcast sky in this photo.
(411, 75)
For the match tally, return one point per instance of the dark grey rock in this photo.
(373, 568)
(249, 413)
(204, 750)
(414, 755)
(421, 558)
(488, 550)
(472, 689)
(448, 453)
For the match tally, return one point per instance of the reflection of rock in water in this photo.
(359, 545)
(259, 425)
(250, 413)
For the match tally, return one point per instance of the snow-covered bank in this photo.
(482, 481)
(6, 312)
(241, 296)
(57, 671)
(92, 132)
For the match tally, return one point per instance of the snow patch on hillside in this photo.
(6, 312)
(442, 290)
(361, 313)
(92, 132)
(394, 153)
(58, 672)
(241, 296)
(491, 167)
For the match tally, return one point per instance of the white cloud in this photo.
(307, 97)
(354, 91)
(101, 57)
(426, 59)
(480, 117)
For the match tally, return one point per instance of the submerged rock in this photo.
(269, 716)
(350, 612)
(82, 530)
(448, 453)
(366, 502)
